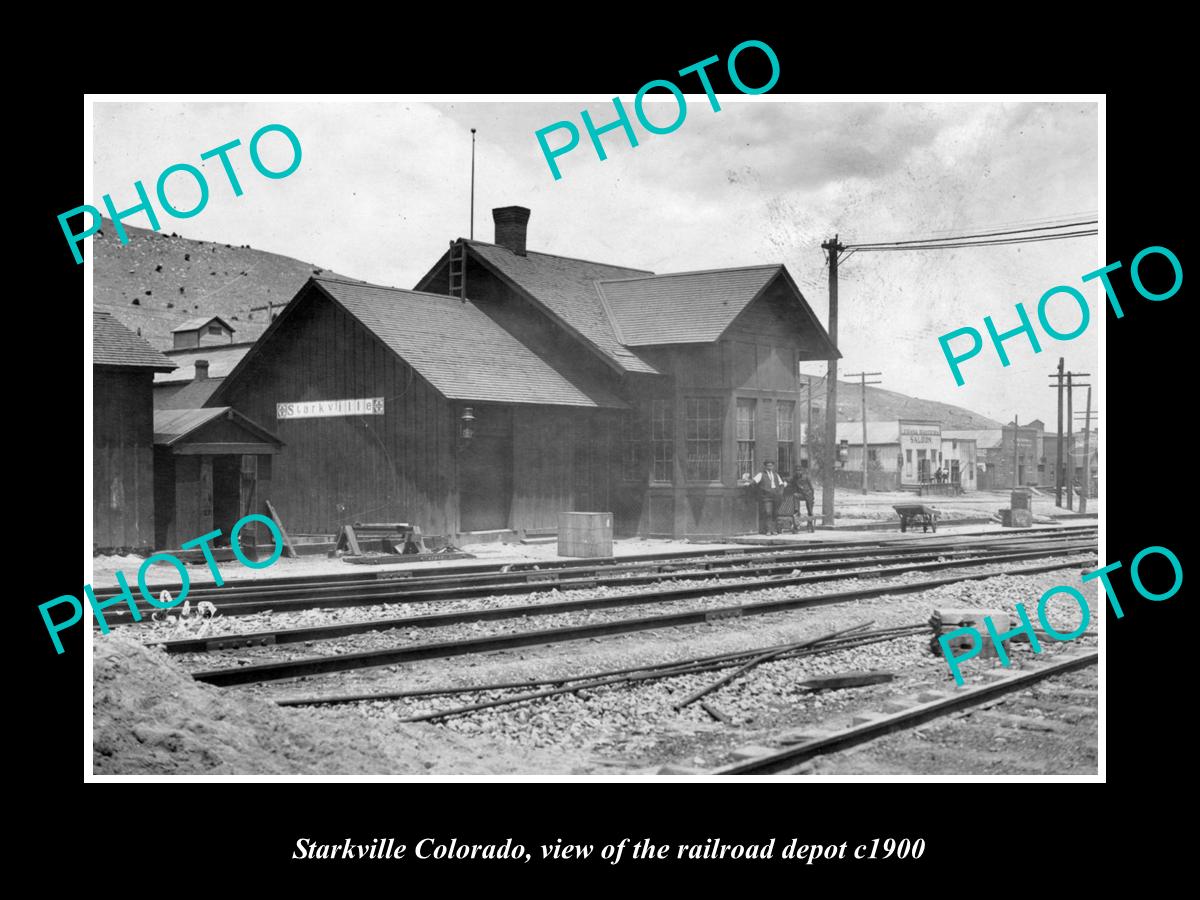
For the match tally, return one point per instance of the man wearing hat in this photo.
(770, 492)
(800, 488)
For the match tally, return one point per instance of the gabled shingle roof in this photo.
(222, 359)
(173, 425)
(115, 345)
(682, 308)
(185, 394)
(567, 289)
(458, 349)
(197, 324)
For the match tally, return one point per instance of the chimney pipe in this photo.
(511, 223)
(201, 370)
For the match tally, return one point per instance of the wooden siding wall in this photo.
(122, 459)
(542, 458)
(332, 471)
(566, 460)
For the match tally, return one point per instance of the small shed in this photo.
(211, 467)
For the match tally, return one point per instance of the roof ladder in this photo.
(458, 269)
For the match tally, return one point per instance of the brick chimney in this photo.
(511, 223)
(201, 370)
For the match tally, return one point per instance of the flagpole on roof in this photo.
(472, 184)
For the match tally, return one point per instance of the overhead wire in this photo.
(1019, 231)
(1028, 239)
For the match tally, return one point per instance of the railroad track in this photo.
(640, 598)
(337, 592)
(539, 568)
(913, 711)
(285, 669)
(848, 638)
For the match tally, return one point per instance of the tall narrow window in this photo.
(745, 435)
(785, 433)
(703, 419)
(662, 441)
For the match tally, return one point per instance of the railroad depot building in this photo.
(511, 385)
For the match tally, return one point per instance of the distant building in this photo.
(884, 467)
(904, 454)
(985, 444)
(1074, 446)
(960, 460)
(999, 449)
(202, 331)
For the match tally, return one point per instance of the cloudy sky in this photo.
(384, 186)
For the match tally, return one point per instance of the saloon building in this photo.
(904, 454)
(512, 385)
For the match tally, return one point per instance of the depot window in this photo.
(703, 418)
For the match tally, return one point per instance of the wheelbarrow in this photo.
(912, 513)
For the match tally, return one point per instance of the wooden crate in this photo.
(585, 534)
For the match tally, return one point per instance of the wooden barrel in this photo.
(585, 534)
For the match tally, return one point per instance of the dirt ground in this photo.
(150, 718)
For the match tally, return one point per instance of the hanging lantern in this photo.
(468, 422)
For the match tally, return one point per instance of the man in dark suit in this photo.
(800, 487)
(770, 492)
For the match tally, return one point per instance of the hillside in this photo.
(157, 281)
(887, 406)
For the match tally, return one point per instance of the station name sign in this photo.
(315, 409)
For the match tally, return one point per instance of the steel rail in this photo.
(826, 644)
(735, 656)
(640, 598)
(319, 665)
(242, 606)
(540, 570)
(962, 698)
(796, 650)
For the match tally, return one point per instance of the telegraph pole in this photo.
(834, 247)
(808, 431)
(1016, 443)
(863, 376)
(1062, 474)
(1087, 457)
(1058, 469)
(1070, 447)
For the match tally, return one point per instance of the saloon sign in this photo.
(914, 433)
